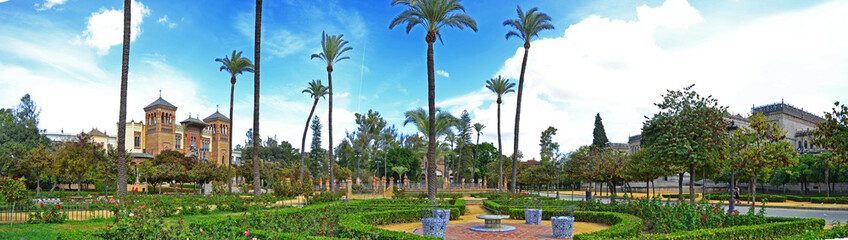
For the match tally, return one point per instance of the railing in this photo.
(75, 211)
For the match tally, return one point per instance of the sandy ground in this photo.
(474, 210)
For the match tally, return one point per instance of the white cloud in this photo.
(616, 68)
(164, 20)
(105, 28)
(47, 5)
(443, 73)
(1, 1)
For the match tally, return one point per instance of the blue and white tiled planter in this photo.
(434, 227)
(533, 216)
(442, 213)
(563, 227)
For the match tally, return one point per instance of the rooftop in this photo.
(161, 102)
(216, 115)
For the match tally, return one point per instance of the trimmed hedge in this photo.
(745, 197)
(838, 231)
(675, 195)
(360, 225)
(621, 225)
(777, 227)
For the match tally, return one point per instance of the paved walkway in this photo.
(522, 231)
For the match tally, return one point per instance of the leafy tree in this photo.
(592, 165)
(168, 166)
(761, 148)
(332, 51)
(500, 86)
(547, 145)
(641, 167)
(432, 15)
(832, 134)
(464, 130)
(235, 65)
(205, 172)
(526, 26)
(317, 91)
(39, 161)
(78, 158)
(600, 136)
(486, 153)
(688, 132)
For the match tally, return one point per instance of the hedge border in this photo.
(777, 227)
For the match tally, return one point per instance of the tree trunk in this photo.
(431, 128)
(303, 139)
(230, 139)
(79, 184)
(38, 185)
(500, 151)
(518, 115)
(692, 183)
(827, 177)
(754, 191)
(680, 186)
(53, 187)
(476, 156)
(256, 143)
(122, 109)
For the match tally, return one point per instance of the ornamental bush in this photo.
(47, 213)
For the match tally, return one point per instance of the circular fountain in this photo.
(492, 224)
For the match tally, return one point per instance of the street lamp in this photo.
(358, 153)
(557, 164)
(732, 127)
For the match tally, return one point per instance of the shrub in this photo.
(621, 225)
(47, 213)
(323, 197)
(838, 231)
(676, 196)
(776, 227)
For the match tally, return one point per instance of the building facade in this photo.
(205, 139)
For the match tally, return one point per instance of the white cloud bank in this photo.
(616, 68)
(443, 73)
(47, 5)
(106, 27)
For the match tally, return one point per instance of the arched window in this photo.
(805, 144)
(800, 145)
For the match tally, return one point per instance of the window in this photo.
(137, 140)
(178, 141)
(193, 142)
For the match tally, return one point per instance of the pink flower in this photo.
(246, 233)
(132, 215)
(111, 200)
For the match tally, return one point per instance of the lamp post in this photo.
(557, 164)
(732, 207)
(358, 153)
(379, 159)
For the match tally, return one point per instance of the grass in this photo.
(51, 231)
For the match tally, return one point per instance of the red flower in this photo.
(323, 218)
(16, 178)
(51, 210)
(42, 204)
(325, 210)
(59, 206)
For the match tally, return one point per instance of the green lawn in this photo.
(51, 231)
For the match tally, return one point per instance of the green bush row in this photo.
(675, 195)
(777, 227)
(746, 197)
(360, 225)
(838, 231)
(621, 225)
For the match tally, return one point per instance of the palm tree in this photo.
(450, 138)
(500, 86)
(477, 127)
(317, 91)
(235, 65)
(256, 44)
(122, 112)
(332, 48)
(432, 15)
(526, 27)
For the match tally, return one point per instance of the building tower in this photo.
(194, 139)
(219, 127)
(159, 131)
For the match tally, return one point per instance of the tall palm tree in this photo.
(122, 112)
(332, 48)
(432, 15)
(526, 27)
(235, 65)
(256, 44)
(479, 128)
(500, 86)
(317, 91)
(451, 139)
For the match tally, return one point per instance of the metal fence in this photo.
(75, 211)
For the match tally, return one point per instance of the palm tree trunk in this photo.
(230, 139)
(518, 117)
(122, 112)
(476, 155)
(330, 160)
(827, 177)
(431, 106)
(303, 139)
(256, 143)
(500, 152)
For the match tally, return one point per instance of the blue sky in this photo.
(609, 57)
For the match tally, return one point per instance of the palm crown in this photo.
(419, 117)
(332, 48)
(500, 86)
(316, 90)
(433, 15)
(479, 127)
(235, 65)
(528, 25)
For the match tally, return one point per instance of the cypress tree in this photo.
(600, 136)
